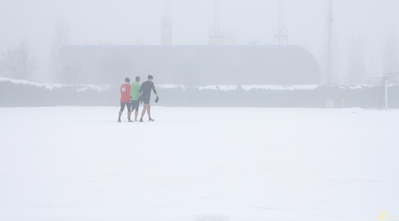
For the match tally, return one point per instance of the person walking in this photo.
(134, 98)
(125, 98)
(145, 95)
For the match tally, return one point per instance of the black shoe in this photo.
(151, 119)
(119, 120)
(129, 120)
(141, 120)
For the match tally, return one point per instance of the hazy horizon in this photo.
(361, 29)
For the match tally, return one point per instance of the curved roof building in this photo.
(190, 65)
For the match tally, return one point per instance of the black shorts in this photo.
(127, 104)
(146, 99)
(135, 105)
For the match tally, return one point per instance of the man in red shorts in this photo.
(125, 99)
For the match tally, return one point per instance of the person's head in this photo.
(137, 78)
(127, 80)
(150, 77)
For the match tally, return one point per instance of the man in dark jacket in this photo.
(145, 95)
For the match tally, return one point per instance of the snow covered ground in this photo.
(209, 164)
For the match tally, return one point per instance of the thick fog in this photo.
(365, 34)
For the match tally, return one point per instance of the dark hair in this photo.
(137, 78)
(127, 79)
(150, 76)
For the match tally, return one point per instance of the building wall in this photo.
(190, 65)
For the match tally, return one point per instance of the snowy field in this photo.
(191, 164)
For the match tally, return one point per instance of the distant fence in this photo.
(17, 94)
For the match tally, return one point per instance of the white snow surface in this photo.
(191, 164)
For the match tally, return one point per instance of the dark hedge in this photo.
(25, 95)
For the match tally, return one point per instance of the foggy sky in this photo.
(120, 22)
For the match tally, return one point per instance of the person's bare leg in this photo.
(119, 116)
(129, 113)
(136, 113)
(143, 112)
(145, 106)
(149, 112)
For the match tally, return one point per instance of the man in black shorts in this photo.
(145, 95)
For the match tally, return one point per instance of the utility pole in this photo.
(280, 33)
(328, 42)
(216, 33)
(166, 26)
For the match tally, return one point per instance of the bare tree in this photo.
(17, 62)
(356, 69)
(71, 72)
(114, 67)
(61, 38)
(61, 32)
(391, 54)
